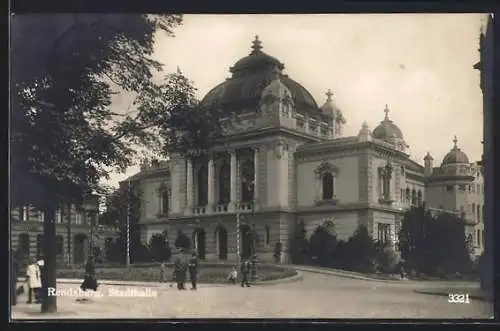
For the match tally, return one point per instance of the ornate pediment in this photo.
(326, 166)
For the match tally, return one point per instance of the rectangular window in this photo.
(478, 242)
(461, 187)
(58, 216)
(449, 188)
(473, 187)
(383, 233)
(59, 245)
(78, 217)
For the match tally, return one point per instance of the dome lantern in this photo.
(256, 45)
(455, 155)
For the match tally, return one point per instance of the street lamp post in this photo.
(238, 216)
(127, 239)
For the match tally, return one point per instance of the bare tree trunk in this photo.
(49, 303)
(70, 260)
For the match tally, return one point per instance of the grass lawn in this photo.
(207, 273)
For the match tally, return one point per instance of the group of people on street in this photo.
(34, 281)
(183, 265)
(245, 269)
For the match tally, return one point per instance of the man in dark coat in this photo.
(245, 272)
(180, 269)
(90, 280)
(193, 270)
(13, 279)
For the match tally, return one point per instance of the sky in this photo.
(420, 65)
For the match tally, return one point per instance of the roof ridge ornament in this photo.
(256, 45)
(455, 141)
(386, 111)
(329, 95)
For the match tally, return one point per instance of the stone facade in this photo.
(285, 160)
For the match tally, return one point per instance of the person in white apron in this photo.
(34, 281)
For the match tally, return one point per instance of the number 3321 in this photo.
(458, 298)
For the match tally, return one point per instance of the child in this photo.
(233, 276)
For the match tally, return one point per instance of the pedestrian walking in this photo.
(162, 272)
(180, 269)
(193, 270)
(34, 281)
(245, 271)
(13, 280)
(90, 278)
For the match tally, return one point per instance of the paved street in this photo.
(316, 296)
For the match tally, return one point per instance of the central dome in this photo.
(250, 76)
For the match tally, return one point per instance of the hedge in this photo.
(207, 273)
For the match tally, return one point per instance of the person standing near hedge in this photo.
(245, 271)
(193, 270)
(180, 269)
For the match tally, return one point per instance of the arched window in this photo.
(419, 198)
(478, 212)
(327, 180)
(164, 202)
(483, 212)
(473, 211)
(413, 197)
(408, 195)
(478, 243)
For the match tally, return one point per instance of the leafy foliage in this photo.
(299, 244)
(182, 241)
(322, 246)
(434, 245)
(159, 247)
(386, 258)
(360, 251)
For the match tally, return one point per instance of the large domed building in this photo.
(285, 161)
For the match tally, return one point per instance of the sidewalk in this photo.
(343, 273)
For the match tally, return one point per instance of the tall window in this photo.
(483, 212)
(419, 198)
(413, 197)
(41, 216)
(59, 245)
(478, 212)
(267, 237)
(327, 180)
(473, 209)
(383, 233)
(402, 196)
(482, 237)
(164, 202)
(478, 188)
(78, 217)
(202, 185)
(408, 195)
(224, 182)
(24, 213)
(247, 181)
(59, 216)
(478, 242)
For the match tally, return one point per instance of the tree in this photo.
(415, 225)
(62, 69)
(159, 247)
(322, 244)
(386, 258)
(182, 241)
(360, 250)
(299, 244)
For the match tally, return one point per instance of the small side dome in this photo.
(455, 155)
(276, 89)
(387, 130)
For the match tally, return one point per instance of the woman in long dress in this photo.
(90, 279)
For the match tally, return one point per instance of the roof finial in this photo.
(256, 45)
(455, 142)
(386, 111)
(329, 95)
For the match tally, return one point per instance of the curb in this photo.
(346, 275)
(443, 294)
(292, 279)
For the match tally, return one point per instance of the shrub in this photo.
(360, 251)
(159, 247)
(299, 244)
(386, 259)
(322, 246)
(182, 241)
